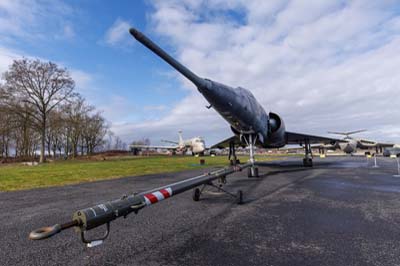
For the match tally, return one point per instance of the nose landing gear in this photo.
(253, 170)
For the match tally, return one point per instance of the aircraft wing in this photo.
(385, 145)
(153, 147)
(225, 143)
(299, 138)
(290, 137)
(370, 143)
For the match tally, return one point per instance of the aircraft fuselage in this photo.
(350, 146)
(238, 107)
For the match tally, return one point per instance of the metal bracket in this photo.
(137, 207)
(97, 241)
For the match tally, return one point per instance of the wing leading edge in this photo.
(290, 138)
(300, 138)
(154, 147)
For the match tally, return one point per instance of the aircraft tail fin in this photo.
(347, 133)
(180, 137)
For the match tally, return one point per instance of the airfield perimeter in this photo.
(341, 212)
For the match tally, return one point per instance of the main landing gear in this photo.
(307, 161)
(232, 154)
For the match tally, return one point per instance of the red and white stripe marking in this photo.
(157, 196)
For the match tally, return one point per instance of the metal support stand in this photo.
(398, 167)
(102, 214)
(197, 192)
(375, 163)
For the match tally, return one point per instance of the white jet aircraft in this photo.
(196, 145)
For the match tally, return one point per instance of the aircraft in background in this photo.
(251, 124)
(195, 145)
(350, 145)
(393, 151)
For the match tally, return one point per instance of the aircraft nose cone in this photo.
(348, 149)
(135, 33)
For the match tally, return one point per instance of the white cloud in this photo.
(155, 108)
(83, 80)
(118, 33)
(322, 65)
(115, 108)
(33, 19)
(6, 58)
(68, 33)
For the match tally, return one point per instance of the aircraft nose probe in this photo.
(199, 82)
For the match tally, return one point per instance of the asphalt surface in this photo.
(340, 212)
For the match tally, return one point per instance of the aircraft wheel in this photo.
(307, 162)
(252, 172)
(196, 194)
(240, 197)
(255, 172)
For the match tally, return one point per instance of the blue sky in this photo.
(106, 68)
(322, 65)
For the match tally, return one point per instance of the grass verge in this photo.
(18, 177)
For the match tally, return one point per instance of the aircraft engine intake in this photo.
(276, 130)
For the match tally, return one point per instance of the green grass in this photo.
(18, 176)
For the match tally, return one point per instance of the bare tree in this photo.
(55, 131)
(118, 143)
(41, 86)
(143, 141)
(5, 125)
(76, 113)
(94, 131)
(109, 141)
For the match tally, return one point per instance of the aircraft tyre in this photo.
(240, 197)
(196, 194)
(252, 172)
(307, 162)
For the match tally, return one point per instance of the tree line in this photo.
(41, 111)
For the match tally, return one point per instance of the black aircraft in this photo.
(251, 126)
(249, 122)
